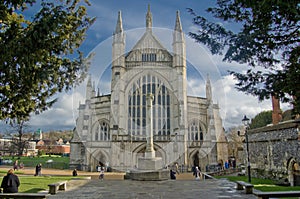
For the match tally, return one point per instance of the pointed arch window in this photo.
(195, 131)
(102, 132)
(137, 108)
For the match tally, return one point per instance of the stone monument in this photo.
(149, 167)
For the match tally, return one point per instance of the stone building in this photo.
(111, 129)
(274, 152)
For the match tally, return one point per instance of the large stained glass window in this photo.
(137, 108)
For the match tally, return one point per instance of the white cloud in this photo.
(195, 87)
(236, 104)
(63, 113)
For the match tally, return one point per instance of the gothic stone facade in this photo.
(111, 129)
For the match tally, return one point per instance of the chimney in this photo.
(276, 113)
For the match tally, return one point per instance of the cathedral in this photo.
(111, 129)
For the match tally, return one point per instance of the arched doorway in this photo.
(98, 157)
(196, 159)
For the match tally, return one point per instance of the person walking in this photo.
(38, 170)
(101, 176)
(176, 168)
(197, 173)
(10, 182)
(172, 174)
(15, 165)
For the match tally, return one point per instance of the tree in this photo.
(261, 119)
(39, 56)
(269, 38)
(19, 144)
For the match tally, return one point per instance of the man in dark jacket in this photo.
(10, 182)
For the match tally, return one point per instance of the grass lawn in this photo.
(34, 184)
(39, 183)
(57, 162)
(261, 184)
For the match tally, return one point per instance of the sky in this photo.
(233, 104)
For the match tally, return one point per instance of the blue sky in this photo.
(133, 14)
(233, 104)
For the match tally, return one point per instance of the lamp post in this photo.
(245, 121)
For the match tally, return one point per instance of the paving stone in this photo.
(123, 189)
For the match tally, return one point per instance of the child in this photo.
(101, 176)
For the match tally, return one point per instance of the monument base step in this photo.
(150, 164)
(148, 175)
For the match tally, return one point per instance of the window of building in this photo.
(137, 108)
(148, 57)
(195, 131)
(102, 132)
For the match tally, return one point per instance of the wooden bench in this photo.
(53, 188)
(277, 194)
(242, 184)
(24, 195)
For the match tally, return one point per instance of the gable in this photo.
(148, 40)
(148, 49)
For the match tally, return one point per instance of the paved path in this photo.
(113, 187)
(173, 189)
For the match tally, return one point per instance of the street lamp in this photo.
(245, 121)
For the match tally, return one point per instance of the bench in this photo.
(24, 195)
(277, 194)
(53, 188)
(242, 184)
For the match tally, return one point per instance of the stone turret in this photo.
(118, 51)
(208, 90)
(149, 19)
(179, 62)
(179, 59)
(89, 89)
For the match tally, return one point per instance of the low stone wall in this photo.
(274, 150)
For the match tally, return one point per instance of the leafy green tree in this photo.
(287, 115)
(262, 119)
(268, 37)
(40, 56)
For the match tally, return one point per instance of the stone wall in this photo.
(274, 151)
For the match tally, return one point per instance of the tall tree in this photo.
(269, 37)
(261, 119)
(39, 55)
